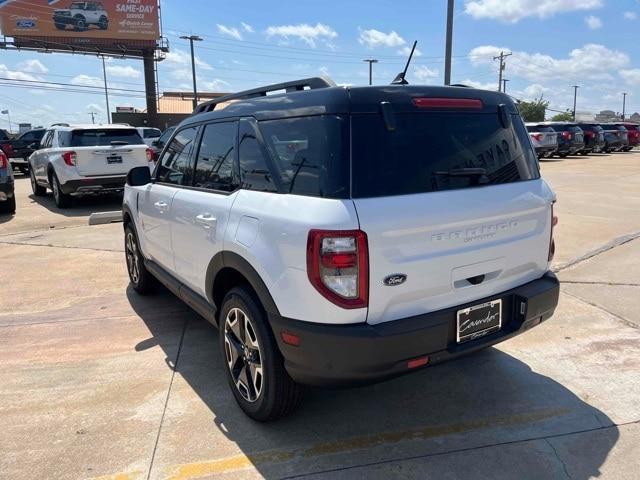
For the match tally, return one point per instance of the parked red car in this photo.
(634, 134)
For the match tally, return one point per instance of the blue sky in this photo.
(555, 44)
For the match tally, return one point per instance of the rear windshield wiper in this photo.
(480, 173)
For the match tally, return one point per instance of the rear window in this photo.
(427, 152)
(100, 137)
(310, 154)
(151, 133)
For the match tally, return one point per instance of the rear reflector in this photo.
(417, 362)
(290, 339)
(473, 103)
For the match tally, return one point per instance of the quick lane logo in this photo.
(483, 232)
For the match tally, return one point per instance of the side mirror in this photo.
(139, 176)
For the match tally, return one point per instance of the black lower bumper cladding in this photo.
(363, 353)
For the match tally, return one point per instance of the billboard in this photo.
(81, 23)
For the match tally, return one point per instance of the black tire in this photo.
(141, 280)
(563, 155)
(62, 199)
(272, 393)
(38, 190)
(79, 23)
(8, 206)
(103, 23)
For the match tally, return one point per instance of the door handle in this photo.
(206, 220)
(161, 205)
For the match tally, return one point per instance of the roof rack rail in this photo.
(311, 83)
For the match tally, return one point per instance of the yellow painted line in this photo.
(241, 462)
(135, 475)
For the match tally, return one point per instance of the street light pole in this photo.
(6, 112)
(624, 103)
(504, 85)
(106, 91)
(193, 38)
(449, 43)
(371, 61)
(575, 96)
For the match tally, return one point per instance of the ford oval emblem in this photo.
(395, 279)
(25, 24)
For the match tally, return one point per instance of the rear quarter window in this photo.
(424, 151)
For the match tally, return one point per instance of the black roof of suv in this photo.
(322, 99)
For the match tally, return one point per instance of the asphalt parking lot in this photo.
(98, 382)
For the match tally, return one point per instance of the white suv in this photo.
(86, 159)
(346, 235)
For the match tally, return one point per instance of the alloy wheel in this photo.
(243, 354)
(132, 258)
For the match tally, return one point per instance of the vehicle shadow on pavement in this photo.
(461, 408)
(81, 206)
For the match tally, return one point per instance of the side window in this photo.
(216, 158)
(175, 165)
(254, 169)
(47, 140)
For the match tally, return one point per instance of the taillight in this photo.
(589, 134)
(425, 102)
(537, 136)
(4, 163)
(566, 135)
(151, 155)
(69, 158)
(7, 148)
(338, 266)
(552, 242)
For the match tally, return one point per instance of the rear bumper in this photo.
(354, 354)
(545, 150)
(6, 190)
(92, 185)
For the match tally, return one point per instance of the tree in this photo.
(563, 117)
(533, 111)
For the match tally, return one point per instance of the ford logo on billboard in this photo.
(25, 23)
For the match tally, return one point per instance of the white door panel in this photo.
(155, 208)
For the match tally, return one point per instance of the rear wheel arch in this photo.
(227, 270)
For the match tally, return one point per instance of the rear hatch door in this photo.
(458, 235)
(107, 151)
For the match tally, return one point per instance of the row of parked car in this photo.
(76, 160)
(581, 138)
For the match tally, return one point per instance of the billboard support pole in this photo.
(106, 91)
(150, 88)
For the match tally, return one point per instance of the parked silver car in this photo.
(544, 139)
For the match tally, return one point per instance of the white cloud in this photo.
(95, 107)
(216, 85)
(305, 32)
(512, 11)
(229, 31)
(591, 62)
(15, 75)
(123, 71)
(424, 74)
(32, 66)
(535, 90)
(631, 76)
(630, 15)
(375, 38)
(88, 81)
(405, 51)
(181, 58)
(483, 86)
(246, 27)
(593, 22)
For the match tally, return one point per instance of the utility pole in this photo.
(575, 96)
(502, 56)
(624, 103)
(106, 91)
(504, 84)
(6, 112)
(92, 113)
(449, 43)
(193, 38)
(371, 62)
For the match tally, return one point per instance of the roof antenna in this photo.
(400, 80)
